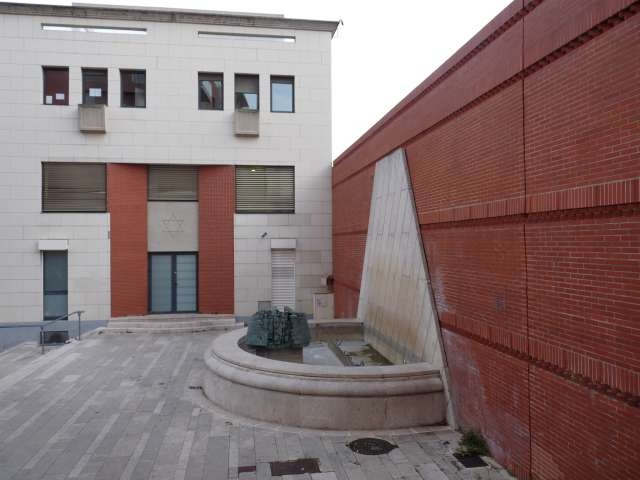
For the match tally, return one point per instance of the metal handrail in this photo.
(45, 323)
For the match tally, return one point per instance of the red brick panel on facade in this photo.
(127, 204)
(554, 23)
(584, 295)
(472, 166)
(534, 258)
(348, 260)
(489, 390)
(581, 434)
(478, 277)
(582, 127)
(216, 197)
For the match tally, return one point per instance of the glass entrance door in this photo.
(173, 282)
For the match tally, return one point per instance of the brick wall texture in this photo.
(127, 205)
(524, 155)
(216, 197)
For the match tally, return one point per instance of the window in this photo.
(210, 91)
(133, 84)
(56, 85)
(247, 92)
(265, 189)
(94, 29)
(94, 86)
(74, 187)
(248, 37)
(282, 94)
(173, 183)
(55, 272)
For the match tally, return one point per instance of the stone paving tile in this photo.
(118, 407)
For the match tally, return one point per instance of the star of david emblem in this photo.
(173, 225)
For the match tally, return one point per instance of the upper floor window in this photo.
(94, 86)
(282, 96)
(246, 89)
(74, 187)
(265, 189)
(210, 91)
(56, 85)
(173, 183)
(133, 85)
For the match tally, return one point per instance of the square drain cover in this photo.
(470, 461)
(295, 467)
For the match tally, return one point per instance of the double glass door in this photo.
(173, 282)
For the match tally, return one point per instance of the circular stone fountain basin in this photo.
(318, 396)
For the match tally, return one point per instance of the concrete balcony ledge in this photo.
(92, 118)
(247, 123)
(323, 397)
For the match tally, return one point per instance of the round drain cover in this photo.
(371, 446)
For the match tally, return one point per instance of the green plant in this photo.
(472, 443)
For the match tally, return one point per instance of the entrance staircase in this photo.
(172, 323)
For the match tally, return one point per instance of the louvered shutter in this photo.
(283, 278)
(265, 189)
(173, 183)
(74, 187)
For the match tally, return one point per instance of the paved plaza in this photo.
(130, 407)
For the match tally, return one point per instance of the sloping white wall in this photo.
(395, 297)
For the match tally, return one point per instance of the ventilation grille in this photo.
(265, 189)
(173, 183)
(73, 187)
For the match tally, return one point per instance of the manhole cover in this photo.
(371, 446)
(470, 461)
(295, 467)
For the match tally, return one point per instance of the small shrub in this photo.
(472, 443)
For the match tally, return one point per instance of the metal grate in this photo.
(74, 187)
(371, 446)
(470, 461)
(265, 189)
(295, 467)
(173, 183)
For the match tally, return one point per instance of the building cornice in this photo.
(167, 16)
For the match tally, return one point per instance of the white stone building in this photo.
(161, 88)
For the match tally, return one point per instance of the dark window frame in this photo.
(53, 292)
(266, 212)
(292, 80)
(132, 70)
(106, 90)
(235, 92)
(212, 74)
(174, 290)
(45, 69)
(106, 183)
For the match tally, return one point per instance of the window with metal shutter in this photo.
(265, 189)
(74, 187)
(283, 278)
(173, 183)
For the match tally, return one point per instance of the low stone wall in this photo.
(312, 396)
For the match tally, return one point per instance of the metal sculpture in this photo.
(276, 329)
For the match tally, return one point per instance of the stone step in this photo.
(171, 323)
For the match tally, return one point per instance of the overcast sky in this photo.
(383, 50)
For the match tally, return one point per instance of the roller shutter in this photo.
(265, 189)
(173, 183)
(74, 187)
(283, 278)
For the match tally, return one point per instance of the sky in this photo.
(382, 51)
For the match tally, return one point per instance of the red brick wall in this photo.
(524, 155)
(127, 204)
(216, 197)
